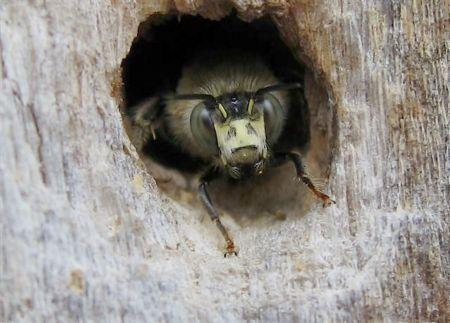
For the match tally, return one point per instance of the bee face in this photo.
(238, 127)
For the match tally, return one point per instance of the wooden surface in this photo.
(87, 236)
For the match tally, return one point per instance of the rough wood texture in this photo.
(86, 235)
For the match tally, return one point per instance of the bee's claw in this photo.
(327, 201)
(231, 250)
(153, 131)
(226, 254)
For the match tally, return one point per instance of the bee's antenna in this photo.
(193, 96)
(278, 87)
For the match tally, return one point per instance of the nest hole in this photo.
(164, 44)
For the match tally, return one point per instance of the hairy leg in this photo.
(209, 176)
(281, 158)
(146, 117)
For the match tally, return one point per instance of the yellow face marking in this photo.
(241, 137)
(251, 103)
(223, 111)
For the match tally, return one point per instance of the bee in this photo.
(228, 113)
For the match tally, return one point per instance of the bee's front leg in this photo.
(146, 118)
(210, 175)
(281, 158)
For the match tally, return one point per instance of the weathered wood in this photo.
(87, 236)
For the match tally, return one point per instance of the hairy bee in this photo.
(228, 113)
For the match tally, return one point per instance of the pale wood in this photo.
(87, 236)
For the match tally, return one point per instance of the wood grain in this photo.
(86, 235)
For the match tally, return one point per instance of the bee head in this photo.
(241, 134)
(238, 127)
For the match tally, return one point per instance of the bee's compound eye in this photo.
(273, 116)
(202, 127)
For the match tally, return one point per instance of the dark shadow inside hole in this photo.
(153, 67)
(165, 44)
